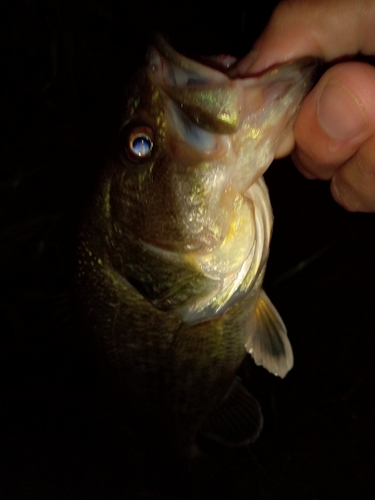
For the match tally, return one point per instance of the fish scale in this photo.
(174, 244)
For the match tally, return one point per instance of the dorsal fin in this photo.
(268, 342)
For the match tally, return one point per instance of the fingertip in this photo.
(298, 29)
(244, 67)
(287, 37)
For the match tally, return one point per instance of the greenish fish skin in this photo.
(173, 248)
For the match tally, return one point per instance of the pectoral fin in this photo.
(268, 342)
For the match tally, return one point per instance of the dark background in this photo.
(63, 70)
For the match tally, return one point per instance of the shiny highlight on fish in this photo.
(174, 245)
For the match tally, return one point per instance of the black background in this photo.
(64, 67)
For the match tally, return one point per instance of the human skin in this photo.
(334, 133)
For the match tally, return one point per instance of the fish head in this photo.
(186, 214)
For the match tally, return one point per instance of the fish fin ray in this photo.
(268, 342)
(237, 421)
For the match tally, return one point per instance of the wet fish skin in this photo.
(172, 250)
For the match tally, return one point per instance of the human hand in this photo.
(334, 133)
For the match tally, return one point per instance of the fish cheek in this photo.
(144, 201)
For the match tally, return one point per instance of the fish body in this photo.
(173, 248)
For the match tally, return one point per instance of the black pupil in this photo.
(142, 145)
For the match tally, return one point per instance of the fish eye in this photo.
(139, 143)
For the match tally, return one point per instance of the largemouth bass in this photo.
(174, 246)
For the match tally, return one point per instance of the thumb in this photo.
(335, 119)
(335, 134)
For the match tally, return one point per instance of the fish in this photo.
(172, 248)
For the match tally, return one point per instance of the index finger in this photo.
(328, 29)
